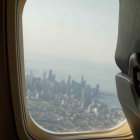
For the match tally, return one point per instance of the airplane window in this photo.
(69, 48)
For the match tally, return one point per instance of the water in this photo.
(111, 100)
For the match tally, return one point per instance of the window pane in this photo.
(70, 70)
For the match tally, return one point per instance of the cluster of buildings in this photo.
(68, 105)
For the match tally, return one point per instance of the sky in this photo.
(72, 36)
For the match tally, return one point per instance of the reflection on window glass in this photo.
(69, 48)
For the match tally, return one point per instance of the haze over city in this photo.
(76, 37)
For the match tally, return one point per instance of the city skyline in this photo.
(68, 105)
